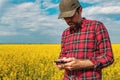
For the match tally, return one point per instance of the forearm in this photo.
(85, 64)
(73, 63)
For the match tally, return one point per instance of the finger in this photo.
(64, 57)
(69, 59)
(69, 68)
(61, 66)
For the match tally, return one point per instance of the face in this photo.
(75, 20)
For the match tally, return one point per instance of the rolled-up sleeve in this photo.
(105, 57)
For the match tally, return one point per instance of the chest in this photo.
(81, 41)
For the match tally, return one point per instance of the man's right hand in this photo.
(61, 65)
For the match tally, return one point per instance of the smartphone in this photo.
(59, 62)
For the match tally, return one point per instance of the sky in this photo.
(36, 21)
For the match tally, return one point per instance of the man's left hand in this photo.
(73, 63)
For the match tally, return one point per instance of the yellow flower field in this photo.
(36, 62)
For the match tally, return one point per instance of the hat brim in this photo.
(67, 14)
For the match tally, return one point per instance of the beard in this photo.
(75, 28)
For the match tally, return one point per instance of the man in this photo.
(85, 46)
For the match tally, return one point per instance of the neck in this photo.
(75, 29)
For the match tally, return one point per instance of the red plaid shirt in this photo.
(90, 42)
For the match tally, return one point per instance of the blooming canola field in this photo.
(36, 62)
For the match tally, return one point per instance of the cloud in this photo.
(28, 18)
(31, 19)
(2, 2)
(47, 4)
(20, 15)
(4, 33)
(93, 1)
(3, 6)
(102, 7)
(102, 10)
(106, 2)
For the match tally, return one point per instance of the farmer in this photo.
(85, 45)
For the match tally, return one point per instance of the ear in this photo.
(80, 10)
